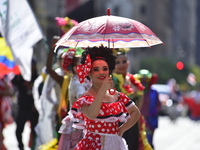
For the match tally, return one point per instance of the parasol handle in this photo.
(108, 11)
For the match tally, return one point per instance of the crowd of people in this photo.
(85, 100)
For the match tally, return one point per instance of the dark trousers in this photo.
(132, 137)
(22, 118)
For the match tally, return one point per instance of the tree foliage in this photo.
(166, 69)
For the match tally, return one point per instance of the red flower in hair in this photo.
(84, 69)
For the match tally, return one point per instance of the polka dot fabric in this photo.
(106, 122)
(91, 141)
(84, 69)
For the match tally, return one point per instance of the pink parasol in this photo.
(111, 31)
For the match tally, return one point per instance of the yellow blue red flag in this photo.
(7, 64)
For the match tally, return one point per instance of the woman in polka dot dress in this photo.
(101, 108)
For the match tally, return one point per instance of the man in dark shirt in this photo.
(26, 107)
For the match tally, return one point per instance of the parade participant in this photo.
(100, 109)
(50, 98)
(70, 136)
(37, 89)
(54, 98)
(128, 84)
(26, 107)
(132, 87)
(5, 108)
(151, 105)
(63, 81)
(57, 77)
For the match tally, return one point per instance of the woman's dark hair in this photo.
(101, 52)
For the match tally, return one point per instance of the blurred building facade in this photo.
(175, 22)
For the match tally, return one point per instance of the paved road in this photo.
(184, 134)
(10, 140)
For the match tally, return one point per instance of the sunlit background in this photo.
(175, 22)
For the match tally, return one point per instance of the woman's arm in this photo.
(140, 102)
(134, 116)
(59, 79)
(92, 110)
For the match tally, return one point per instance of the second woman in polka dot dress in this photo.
(101, 108)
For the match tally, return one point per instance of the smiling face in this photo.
(99, 71)
(121, 64)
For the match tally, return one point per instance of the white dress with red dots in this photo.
(102, 132)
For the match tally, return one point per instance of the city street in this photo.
(10, 138)
(183, 134)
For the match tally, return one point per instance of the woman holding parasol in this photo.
(99, 111)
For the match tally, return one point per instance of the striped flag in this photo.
(7, 64)
(19, 27)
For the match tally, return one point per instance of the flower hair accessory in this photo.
(68, 58)
(84, 69)
(65, 24)
(122, 51)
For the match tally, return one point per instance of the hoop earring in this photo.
(112, 93)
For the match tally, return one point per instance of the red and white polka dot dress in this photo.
(102, 132)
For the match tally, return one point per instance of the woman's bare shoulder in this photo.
(87, 93)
